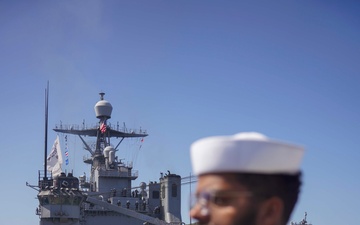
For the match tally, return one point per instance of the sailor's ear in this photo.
(270, 211)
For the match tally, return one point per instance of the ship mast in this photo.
(104, 163)
(46, 129)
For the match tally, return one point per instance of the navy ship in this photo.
(107, 196)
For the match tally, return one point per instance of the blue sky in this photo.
(184, 70)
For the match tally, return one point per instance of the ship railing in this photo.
(96, 126)
(44, 182)
(126, 165)
(119, 173)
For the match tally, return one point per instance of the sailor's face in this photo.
(221, 200)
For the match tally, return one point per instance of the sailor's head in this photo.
(245, 179)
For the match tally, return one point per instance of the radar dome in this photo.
(103, 108)
(107, 151)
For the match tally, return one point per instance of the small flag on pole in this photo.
(66, 151)
(103, 127)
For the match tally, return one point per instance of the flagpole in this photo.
(46, 129)
(190, 199)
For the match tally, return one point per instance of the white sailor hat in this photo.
(247, 152)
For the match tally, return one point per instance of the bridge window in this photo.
(155, 194)
(174, 190)
(44, 200)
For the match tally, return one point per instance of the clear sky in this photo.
(184, 70)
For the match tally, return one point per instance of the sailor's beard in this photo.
(249, 218)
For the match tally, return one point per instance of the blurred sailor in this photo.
(245, 179)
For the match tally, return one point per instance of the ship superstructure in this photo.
(107, 196)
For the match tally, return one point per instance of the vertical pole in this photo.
(46, 129)
(190, 198)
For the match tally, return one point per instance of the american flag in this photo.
(103, 127)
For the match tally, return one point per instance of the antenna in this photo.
(46, 128)
(101, 95)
